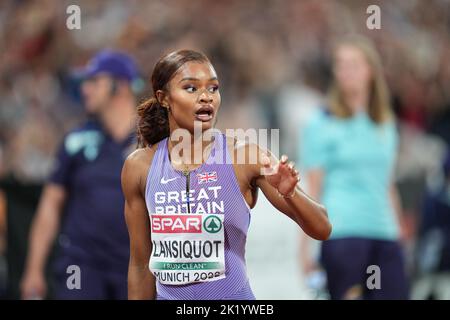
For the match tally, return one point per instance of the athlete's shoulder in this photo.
(135, 168)
(236, 142)
(238, 148)
(141, 156)
(247, 154)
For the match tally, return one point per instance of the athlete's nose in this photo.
(205, 97)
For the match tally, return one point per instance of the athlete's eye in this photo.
(190, 89)
(213, 89)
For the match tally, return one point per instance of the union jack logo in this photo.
(207, 177)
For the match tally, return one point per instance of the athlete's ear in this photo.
(163, 98)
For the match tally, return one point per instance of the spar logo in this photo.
(212, 224)
(176, 223)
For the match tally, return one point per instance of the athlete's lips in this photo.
(205, 113)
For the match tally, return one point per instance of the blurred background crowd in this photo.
(273, 60)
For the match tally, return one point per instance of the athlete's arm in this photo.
(43, 231)
(141, 282)
(310, 215)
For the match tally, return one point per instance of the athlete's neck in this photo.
(189, 155)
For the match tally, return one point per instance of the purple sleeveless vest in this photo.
(181, 207)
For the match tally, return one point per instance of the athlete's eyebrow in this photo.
(195, 79)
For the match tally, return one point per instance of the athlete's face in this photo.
(193, 96)
(96, 93)
(351, 69)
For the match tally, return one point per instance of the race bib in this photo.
(187, 248)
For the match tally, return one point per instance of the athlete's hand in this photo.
(33, 285)
(282, 176)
